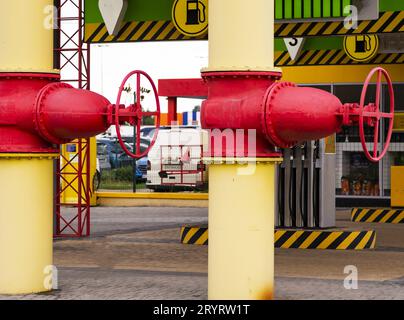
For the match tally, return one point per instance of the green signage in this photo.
(138, 10)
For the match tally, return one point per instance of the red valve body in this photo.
(235, 102)
(281, 113)
(37, 112)
(296, 114)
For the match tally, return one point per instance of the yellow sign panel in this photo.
(69, 151)
(398, 122)
(330, 144)
(190, 17)
(361, 47)
(397, 186)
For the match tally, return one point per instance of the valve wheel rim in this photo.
(138, 113)
(377, 114)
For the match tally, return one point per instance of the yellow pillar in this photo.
(26, 208)
(241, 230)
(26, 39)
(26, 180)
(241, 200)
(241, 35)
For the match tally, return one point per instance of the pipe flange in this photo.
(30, 76)
(241, 74)
(38, 111)
(267, 124)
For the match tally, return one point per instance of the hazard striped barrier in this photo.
(299, 239)
(394, 216)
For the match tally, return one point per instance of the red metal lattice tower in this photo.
(72, 57)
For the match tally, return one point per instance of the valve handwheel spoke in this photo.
(136, 114)
(376, 115)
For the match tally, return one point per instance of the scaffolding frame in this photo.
(72, 57)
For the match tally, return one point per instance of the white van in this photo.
(175, 161)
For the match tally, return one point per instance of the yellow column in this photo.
(26, 38)
(241, 35)
(26, 180)
(241, 230)
(26, 209)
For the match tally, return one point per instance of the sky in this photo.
(110, 63)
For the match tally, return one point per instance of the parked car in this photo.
(112, 156)
(116, 156)
(103, 162)
(145, 132)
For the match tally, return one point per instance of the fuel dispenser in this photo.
(306, 189)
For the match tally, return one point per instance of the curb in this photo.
(298, 239)
(394, 216)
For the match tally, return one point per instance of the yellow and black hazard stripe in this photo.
(388, 22)
(135, 32)
(394, 216)
(333, 57)
(298, 239)
(325, 240)
(194, 235)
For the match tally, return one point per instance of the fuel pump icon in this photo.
(363, 44)
(196, 12)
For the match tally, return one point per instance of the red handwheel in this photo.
(373, 115)
(134, 114)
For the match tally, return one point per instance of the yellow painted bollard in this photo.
(26, 228)
(26, 180)
(241, 230)
(27, 36)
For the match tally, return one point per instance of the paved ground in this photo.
(134, 254)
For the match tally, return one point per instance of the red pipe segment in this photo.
(281, 113)
(37, 112)
(296, 114)
(64, 113)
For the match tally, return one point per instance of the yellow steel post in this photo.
(241, 35)
(26, 180)
(241, 200)
(241, 230)
(26, 228)
(27, 36)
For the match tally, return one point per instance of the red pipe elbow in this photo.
(64, 113)
(37, 112)
(296, 114)
(280, 113)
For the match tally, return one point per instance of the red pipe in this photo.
(296, 114)
(64, 113)
(280, 113)
(37, 112)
